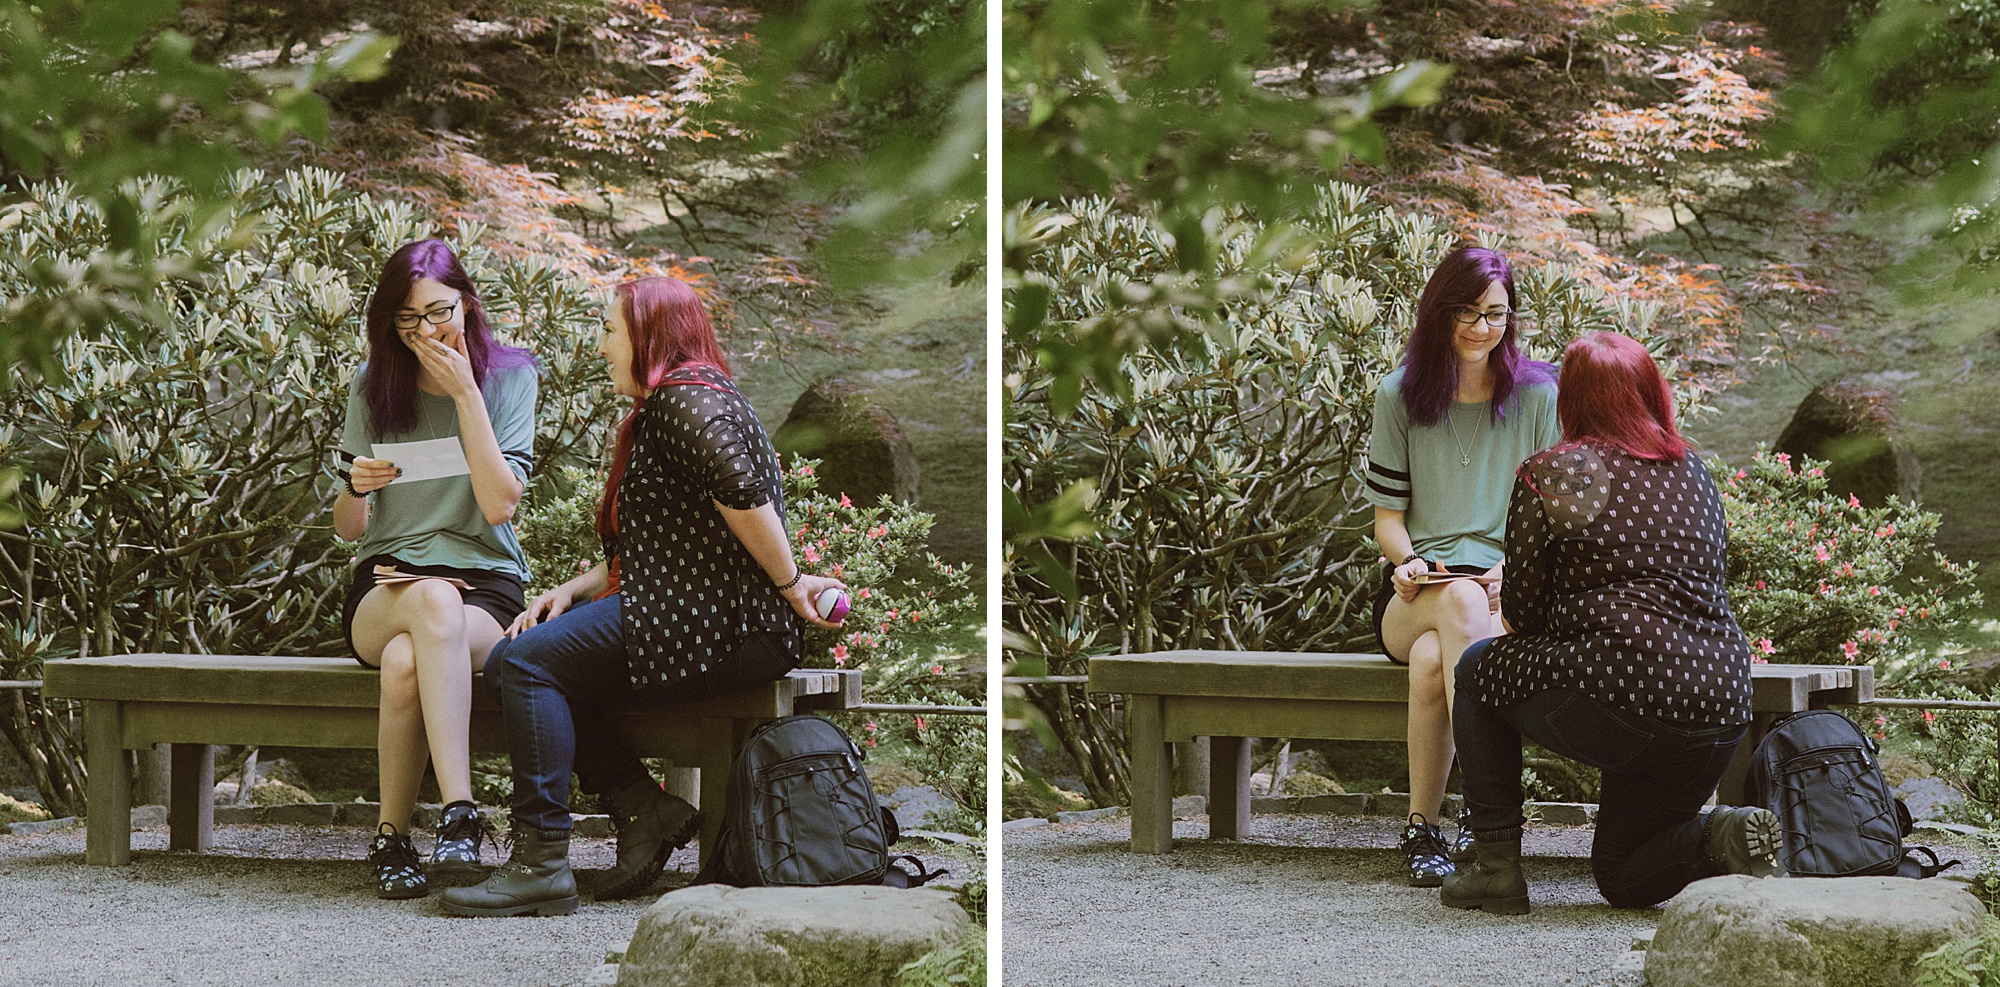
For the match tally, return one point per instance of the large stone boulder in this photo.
(861, 448)
(1854, 430)
(1739, 931)
(716, 936)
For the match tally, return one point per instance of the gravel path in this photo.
(1307, 900)
(287, 905)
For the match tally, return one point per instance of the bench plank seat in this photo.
(193, 702)
(1232, 696)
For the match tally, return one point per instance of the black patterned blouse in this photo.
(689, 591)
(1614, 587)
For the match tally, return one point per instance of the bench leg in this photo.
(191, 813)
(1228, 787)
(108, 840)
(1730, 789)
(716, 757)
(1152, 775)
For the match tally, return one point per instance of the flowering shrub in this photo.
(1817, 579)
(908, 609)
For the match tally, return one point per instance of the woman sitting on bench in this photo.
(433, 373)
(1450, 426)
(1624, 654)
(698, 596)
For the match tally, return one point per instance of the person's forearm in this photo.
(350, 516)
(763, 534)
(1392, 535)
(589, 584)
(494, 484)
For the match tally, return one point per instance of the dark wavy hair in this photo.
(390, 386)
(1430, 375)
(670, 330)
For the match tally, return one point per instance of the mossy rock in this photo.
(13, 810)
(886, 778)
(278, 793)
(1308, 783)
(1020, 800)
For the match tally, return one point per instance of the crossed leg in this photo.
(428, 643)
(1429, 634)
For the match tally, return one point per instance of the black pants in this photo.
(1657, 776)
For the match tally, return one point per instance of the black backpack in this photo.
(1817, 772)
(801, 814)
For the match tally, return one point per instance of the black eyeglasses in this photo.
(436, 317)
(1468, 316)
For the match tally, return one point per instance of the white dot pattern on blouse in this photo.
(688, 590)
(1614, 585)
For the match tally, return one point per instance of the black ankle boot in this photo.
(650, 825)
(1425, 857)
(398, 872)
(1743, 839)
(535, 880)
(1492, 882)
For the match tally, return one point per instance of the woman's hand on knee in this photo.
(1402, 576)
(547, 606)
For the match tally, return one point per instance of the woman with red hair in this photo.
(1623, 653)
(698, 596)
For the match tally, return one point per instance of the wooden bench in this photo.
(1232, 696)
(192, 702)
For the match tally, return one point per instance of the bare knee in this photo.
(434, 604)
(399, 672)
(1467, 608)
(1426, 665)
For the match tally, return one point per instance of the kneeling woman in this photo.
(1624, 654)
(698, 596)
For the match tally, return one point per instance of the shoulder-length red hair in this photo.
(670, 330)
(1611, 393)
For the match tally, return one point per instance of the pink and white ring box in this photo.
(832, 605)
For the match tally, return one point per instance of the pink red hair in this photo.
(670, 330)
(1611, 393)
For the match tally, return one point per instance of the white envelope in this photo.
(426, 460)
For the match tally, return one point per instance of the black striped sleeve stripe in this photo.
(1385, 491)
(1387, 473)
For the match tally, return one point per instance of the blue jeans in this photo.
(1656, 777)
(556, 683)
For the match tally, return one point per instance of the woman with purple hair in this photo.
(1451, 425)
(440, 571)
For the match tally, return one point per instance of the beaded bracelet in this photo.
(797, 574)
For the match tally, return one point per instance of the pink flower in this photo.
(836, 570)
(1930, 717)
(1764, 645)
(1740, 474)
(920, 724)
(871, 726)
(1785, 459)
(1853, 501)
(1945, 664)
(1759, 660)
(1824, 589)
(878, 531)
(805, 471)
(844, 502)
(840, 655)
(1815, 471)
(1821, 554)
(1760, 584)
(937, 669)
(1850, 649)
(863, 593)
(916, 615)
(1879, 721)
(812, 554)
(1874, 591)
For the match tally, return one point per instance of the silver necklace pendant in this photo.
(1465, 460)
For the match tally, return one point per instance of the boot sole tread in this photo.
(1492, 906)
(559, 906)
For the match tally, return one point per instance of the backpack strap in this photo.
(1904, 822)
(1911, 866)
(716, 871)
(896, 877)
(891, 832)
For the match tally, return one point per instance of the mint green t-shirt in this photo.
(438, 521)
(1452, 482)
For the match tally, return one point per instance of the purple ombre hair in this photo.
(1430, 376)
(390, 385)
